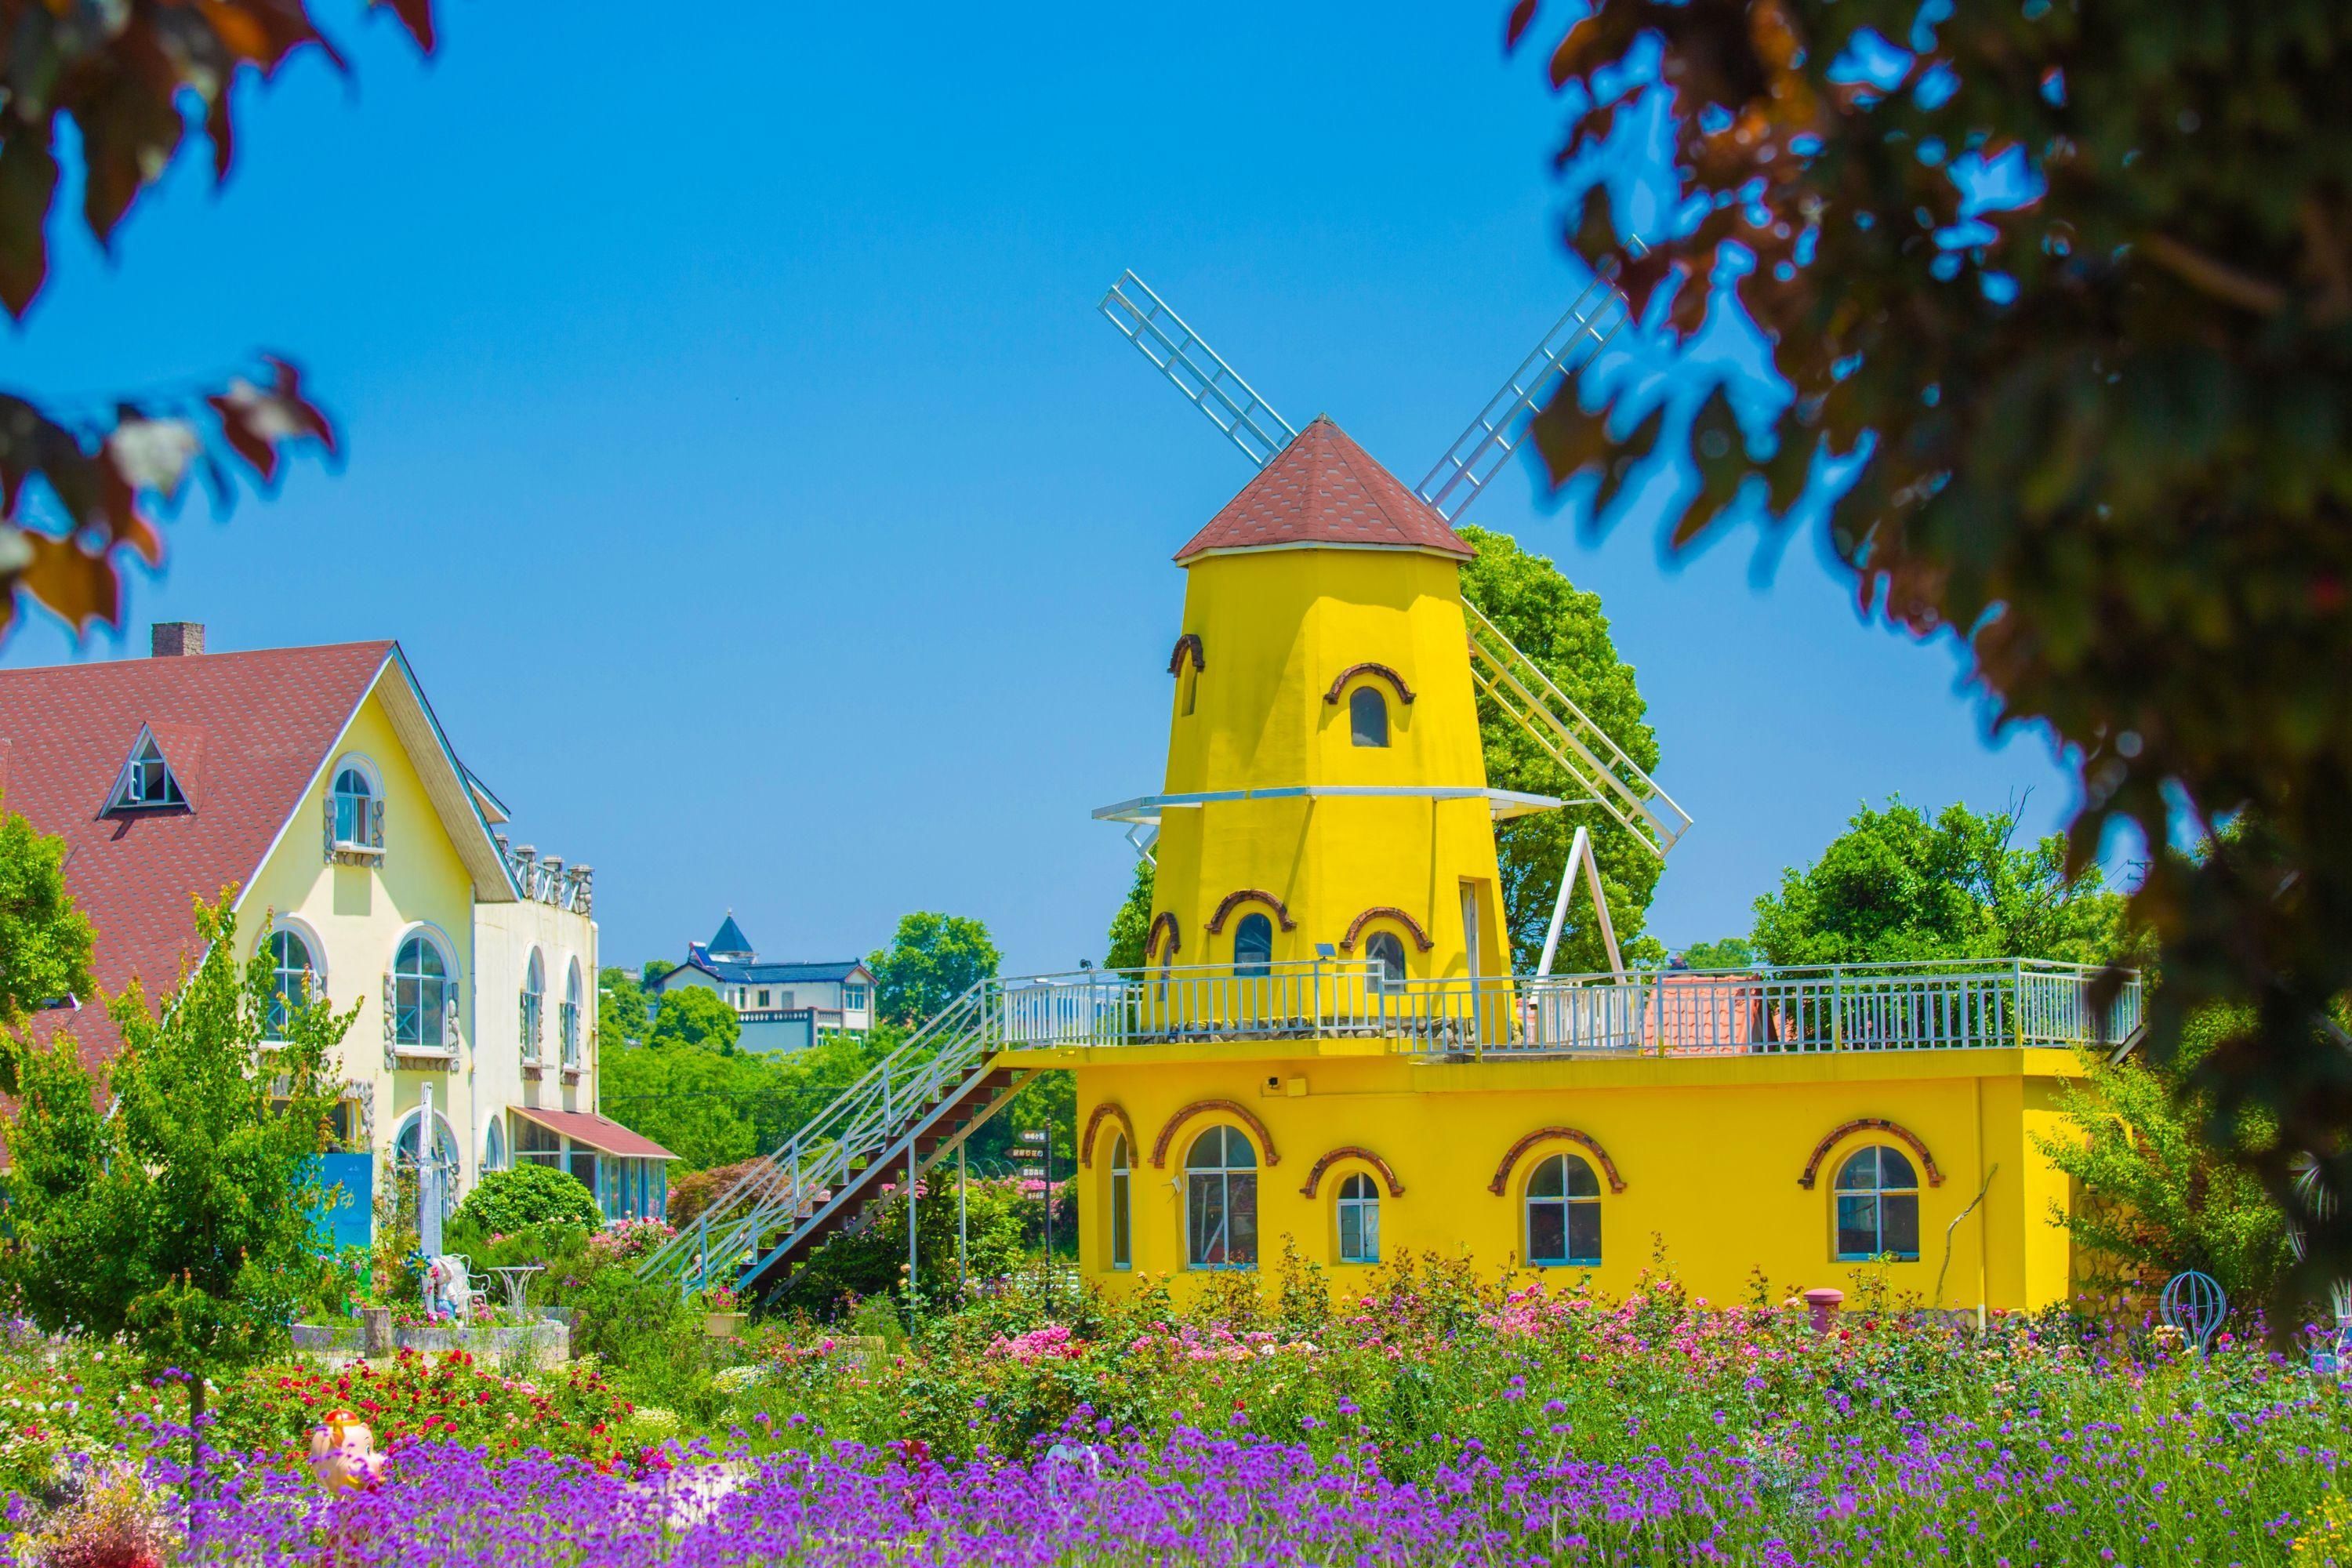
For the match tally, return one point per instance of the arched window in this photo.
(1368, 717)
(1188, 688)
(534, 1004)
(292, 979)
(420, 995)
(1122, 1239)
(1220, 1200)
(358, 820)
(1878, 1198)
(1359, 1220)
(403, 1151)
(1253, 944)
(1563, 1213)
(1385, 951)
(570, 1017)
(494, 1148)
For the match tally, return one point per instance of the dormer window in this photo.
(147, 780)
(356, 811)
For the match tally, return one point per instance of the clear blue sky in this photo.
(735, 448)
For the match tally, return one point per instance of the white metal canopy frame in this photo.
(1515, 683)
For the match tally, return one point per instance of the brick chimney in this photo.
(176, 639)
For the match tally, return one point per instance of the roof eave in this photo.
(1186, 557)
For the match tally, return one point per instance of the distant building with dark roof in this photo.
(781, 1006)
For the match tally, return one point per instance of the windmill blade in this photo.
(1200, 373)
(1616, 782)
(1479, 453)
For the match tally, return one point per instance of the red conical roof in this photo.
(1325, 490)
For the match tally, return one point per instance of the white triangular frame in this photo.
(129, 796)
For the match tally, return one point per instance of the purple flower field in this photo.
(2187, 1487)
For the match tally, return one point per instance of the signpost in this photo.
(1038, 1145)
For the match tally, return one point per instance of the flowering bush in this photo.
(625, 1240)
(449, 1396)
(112, 1524)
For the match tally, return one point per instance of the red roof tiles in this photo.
(1325, 490)
(244, 733)
(595, 1131)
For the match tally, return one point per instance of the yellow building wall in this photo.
(1709, 1153)
(1277, 627)
(358, 916)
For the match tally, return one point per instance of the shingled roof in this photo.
(1324, 489)
(244, 733)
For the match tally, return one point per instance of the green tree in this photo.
(1897, 887)
(2098, 416)
(1132, 924)
(1724, 952)
(698, 1017)
(183, 1221)
(621, 1007)
(932, 960)
(1561, 629)
(701, 1105)
(655, 968)
(2152, 1195)
(44, 940)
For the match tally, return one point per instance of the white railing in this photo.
(546, 879)
(874, 1121)
(1751, 1011)
(1766, 1012)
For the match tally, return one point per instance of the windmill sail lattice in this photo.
(1479, 453)
(1199, 372)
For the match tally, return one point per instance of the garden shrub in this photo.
(871, 1260)
(691, 1192)
(528, 1196)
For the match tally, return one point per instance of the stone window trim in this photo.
(1188, 642)
(1501, 1185)
(1371, 670)
(1241, 896)
(1871, 1125)
(1234, 1108)
(1352, 1152)
(368, 849)
(1108, 1110)
(1385, 913)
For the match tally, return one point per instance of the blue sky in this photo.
(734, 447)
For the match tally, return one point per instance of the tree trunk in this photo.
(195, 1449)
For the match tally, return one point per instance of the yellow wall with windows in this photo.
(359, 914)
(1709, 1152)
(1277, 627)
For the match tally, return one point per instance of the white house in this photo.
(781, 1006)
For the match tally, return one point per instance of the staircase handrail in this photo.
(757, 1191)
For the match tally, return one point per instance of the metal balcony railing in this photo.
(1752, 1011)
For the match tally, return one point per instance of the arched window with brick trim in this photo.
(1563, 1213)
(1875, 1199)
(1221, 1200)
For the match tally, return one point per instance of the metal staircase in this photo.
(925, 1097)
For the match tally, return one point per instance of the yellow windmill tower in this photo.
(1326, 797)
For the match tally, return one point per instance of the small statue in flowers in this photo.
(343, 1452)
